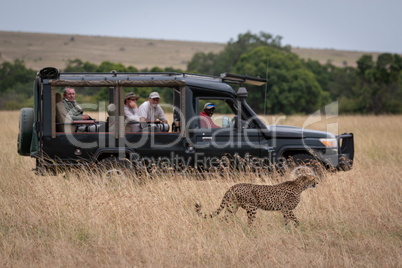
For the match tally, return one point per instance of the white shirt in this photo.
(150, 113)
(131, 114)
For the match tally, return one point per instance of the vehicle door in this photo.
(161, 144)
(228, 136)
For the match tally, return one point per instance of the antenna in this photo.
(265, 97)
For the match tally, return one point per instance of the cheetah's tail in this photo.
(198, 208)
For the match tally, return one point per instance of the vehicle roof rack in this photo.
(114, 73)
(235, 78)
(202, 76)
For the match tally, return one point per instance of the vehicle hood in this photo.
(297, 132)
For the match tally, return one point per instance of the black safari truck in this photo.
(184, 142)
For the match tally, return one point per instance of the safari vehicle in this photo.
(57, 144)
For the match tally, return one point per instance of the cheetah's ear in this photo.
(308, 177)
(303, 177)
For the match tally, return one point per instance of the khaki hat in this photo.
(209, 105)
(154, 95)
(131, 95)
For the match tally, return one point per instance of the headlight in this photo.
(329, 142)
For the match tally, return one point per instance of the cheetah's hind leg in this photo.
(290, 216)
(251, 212)
(231, 210)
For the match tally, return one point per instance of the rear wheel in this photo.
(115, 171)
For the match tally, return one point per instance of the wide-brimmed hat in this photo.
(154, 95)
(131, 95)
(209, 105)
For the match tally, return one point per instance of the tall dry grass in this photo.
(351, 219)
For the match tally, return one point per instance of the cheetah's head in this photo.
(309, 181)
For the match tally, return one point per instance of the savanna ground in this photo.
(352, 219)
(39, 50)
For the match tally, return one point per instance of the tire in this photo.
(305, 164)
(114, 171)
(26, 122)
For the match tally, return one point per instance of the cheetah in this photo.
(282, 197)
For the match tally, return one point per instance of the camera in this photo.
(88, 128)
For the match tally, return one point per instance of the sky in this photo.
(351, 25)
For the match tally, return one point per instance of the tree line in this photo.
(294, 85)
(303, 86)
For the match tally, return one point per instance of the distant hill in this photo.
(40, 50)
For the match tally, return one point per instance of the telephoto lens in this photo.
(92, 128)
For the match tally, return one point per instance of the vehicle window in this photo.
(137, 108)
(79, 104)
(216, 113)
(98, 105)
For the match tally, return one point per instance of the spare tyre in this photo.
(25, 130)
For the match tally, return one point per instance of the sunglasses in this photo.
(133, 99)
(211, 106)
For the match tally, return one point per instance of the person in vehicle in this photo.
(131, 112)
(72, 107)
(151, 111)
(205, 116)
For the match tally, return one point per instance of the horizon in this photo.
(187, 41)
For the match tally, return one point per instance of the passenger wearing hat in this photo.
(131, 112)
(151, 111)
(205, 116)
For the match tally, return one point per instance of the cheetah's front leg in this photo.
(289, 215)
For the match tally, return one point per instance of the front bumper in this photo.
(346, 151)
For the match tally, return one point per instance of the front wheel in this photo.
(304, 164)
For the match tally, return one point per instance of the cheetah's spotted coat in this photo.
(282, 197)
